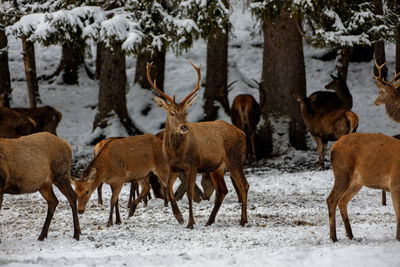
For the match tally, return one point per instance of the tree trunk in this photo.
(379, 47)
(30, 71)
(72, 57)
(98, 59)
(5, 81)
(342, 61)
(157, 69)
(398, 50)
(216, 76)
(112, 98)
(283, 75)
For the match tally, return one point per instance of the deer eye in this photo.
(171, 113)
(87, 192)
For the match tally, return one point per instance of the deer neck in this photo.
(306, 111)
(173, 141)
(345, 96)
(392, 104)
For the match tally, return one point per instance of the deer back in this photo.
(30, 161)
(245, 112)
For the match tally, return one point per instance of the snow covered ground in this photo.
(288, 217)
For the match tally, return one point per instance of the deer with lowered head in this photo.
(134, 191)
(214, 147)
(35, 163)
(326, 127)
(362, 159)
(122, 160)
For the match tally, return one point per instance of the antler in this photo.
(197, 85)
(380, 79)
(154, 84)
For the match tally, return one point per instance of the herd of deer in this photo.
(38, 161)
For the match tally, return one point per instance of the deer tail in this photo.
(353, 120)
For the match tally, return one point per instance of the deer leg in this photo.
(207, 185)
(145, 190)
(1, 196)
(339, 188)
(343, 202)
(237, 190)
(132, 193)
(242, 185)
(174, 205)
(47, 192)
(396, 205)
(69, 193)
(217, 178)
(116, 189)
(180, 192)
(320, 154)
(117, 214)
(191, 181)
(383, 198)
(253, 147)
(100, 194)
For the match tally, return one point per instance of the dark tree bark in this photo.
(379, 47)
(157, 69)
(112, 98)
(216, 76)
(30, 71)
(283, 75)
(72, 57)
(398, 50)
(342, 61)
(5, 81)
(98, 59)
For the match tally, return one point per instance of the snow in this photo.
(288, 217)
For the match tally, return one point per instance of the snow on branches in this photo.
(151, 25)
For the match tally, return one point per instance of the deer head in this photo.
(84, 189)
(386, 89)
(176, 112)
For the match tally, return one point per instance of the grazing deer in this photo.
(134, 185)
(14, 124)
(119, 161)
(389, 94)
(323, 101)
(326, 127)
(34, 163)
(46, 118)
(358, 160)
(190, 148)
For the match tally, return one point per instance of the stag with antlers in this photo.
(389, 94)
(214, 147)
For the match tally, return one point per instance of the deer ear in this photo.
(161, 102)
(190, 101)
(92, 175)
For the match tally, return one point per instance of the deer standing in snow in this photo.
(361, 159)
(34, 163)
(326, 127)
(214, 147)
